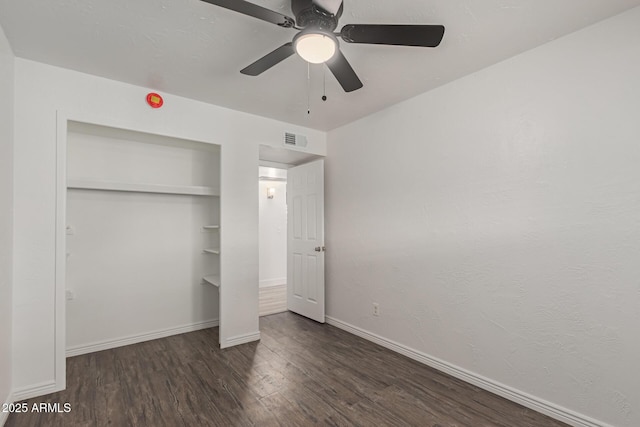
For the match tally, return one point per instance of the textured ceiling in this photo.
(193, 49)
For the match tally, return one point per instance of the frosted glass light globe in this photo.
(315, 48)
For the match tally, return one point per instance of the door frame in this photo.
(280, 165)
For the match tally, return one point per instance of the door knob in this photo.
(320, 249)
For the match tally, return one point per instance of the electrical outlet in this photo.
(376, 309)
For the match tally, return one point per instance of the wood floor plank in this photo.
(110, 405)
(301, 373)
(272, 299)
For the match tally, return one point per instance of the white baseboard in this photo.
(272, 311)
(134, 339)
(5, 415)
(554, 411)
(240, 339)
(273, 282)
(35, 391)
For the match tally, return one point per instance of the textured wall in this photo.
(495, 221)
(6, 215)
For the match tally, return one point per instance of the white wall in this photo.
(495, 221)
(6, 216)
(135, 260)
(273, 231)
(43, 93)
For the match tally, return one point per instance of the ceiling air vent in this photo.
(293, 140)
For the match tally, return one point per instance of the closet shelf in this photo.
(212, 251)
(212, 280)
(89, 184)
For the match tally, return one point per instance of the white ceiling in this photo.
(193, 49)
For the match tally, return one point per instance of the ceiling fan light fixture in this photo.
(316, 42)
(315, 48)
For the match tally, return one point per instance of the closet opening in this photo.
(142, 237)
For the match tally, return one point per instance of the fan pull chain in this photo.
(324, 84)
(308, 88)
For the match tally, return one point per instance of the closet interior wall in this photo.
(143, 215)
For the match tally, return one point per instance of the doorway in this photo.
(301, 176)
(272, 226)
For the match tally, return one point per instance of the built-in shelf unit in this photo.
(213, 231)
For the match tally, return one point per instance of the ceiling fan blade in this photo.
(269, 60)
(331, 6)
(343, 72)
(254, 10)
(401, 35)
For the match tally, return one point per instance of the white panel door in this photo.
(305, 240)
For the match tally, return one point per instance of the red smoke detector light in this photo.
(154, 100)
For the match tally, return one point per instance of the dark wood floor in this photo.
(301, 373)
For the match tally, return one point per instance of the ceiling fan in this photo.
(316, 41)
